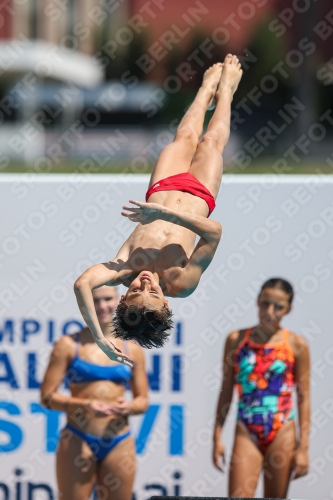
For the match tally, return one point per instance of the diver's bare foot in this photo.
(231, 74)
(211, 80)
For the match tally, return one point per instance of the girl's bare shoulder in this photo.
(136, 353)
(297, 343)
(64, 348)
(234, 338)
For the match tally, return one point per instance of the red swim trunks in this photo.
(188, 184)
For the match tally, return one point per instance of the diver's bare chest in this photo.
(161, 240)
(157, 259)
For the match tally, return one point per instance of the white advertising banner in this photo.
(54, 227)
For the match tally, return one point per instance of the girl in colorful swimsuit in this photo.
(265, 363)
(96, 444)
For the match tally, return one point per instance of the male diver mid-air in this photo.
(160, 258)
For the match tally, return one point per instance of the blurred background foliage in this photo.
(259, 47)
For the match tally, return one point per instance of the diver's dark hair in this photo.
(281, 284)
(148, 327)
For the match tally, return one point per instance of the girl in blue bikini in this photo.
(96, 444)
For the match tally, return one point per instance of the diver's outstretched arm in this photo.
(145, 213)
(94, 277)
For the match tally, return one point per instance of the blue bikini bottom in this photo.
(98, 445)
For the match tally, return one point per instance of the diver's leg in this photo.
(207, 165)
(176, 157)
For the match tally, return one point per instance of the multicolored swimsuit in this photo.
(264, 376)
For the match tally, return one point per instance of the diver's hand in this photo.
(113, 352)
(144, 212)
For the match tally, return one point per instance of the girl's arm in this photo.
(302, 379)
(139, 387)
(60, 359)
(225, 397)
(139, 383)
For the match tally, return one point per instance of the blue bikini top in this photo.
(80, 371)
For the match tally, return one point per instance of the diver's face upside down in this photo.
(145, 291)
(143, 314)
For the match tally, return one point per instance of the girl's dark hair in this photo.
(148, 327)
(280, 284)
